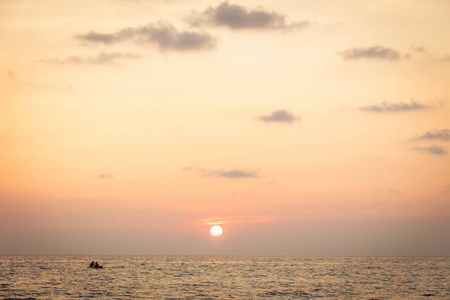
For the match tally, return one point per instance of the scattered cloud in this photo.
(103, 58)
(429, 54)
(11, 74)
(446, 189)
(445, 58)
(236, 173)
(442, 134)
(233, 173)
(437, 150)
(279, 116)
(110, 58)
(387, 107)
(238, 17)
(419, 49)
(105, 38)
(105, 176)
(162, 34)
(374, 52)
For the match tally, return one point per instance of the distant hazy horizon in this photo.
(302, 128)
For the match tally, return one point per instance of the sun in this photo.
(216, 231)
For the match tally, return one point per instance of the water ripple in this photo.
(193, 277)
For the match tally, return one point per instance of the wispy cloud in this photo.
(387, 107)
(436, 150)
(279, 116)
(232, 173)
(238, 220)
(162, 34)
(419, 49)
(105, 176)
(105, 38)
(429, 54)
(103, 58)
(445, 58)
(446, 189)
(442, 134)
(236, 173)
(374, 52)
(253, 219)
(238, 17)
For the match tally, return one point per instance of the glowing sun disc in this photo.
(216, 231)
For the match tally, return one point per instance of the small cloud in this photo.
(436, 150)
(73, 59)
(445, 58)
(238, 17)
(11, 74)
(103, 58)
(446, 189)
(374, 52)
(233, 173)
(443, 135)
(387, 107)
(422, 51)
(393, 191)
(95, 37)
(418, 49)
(279, 116)
(105, 176)
(162, 34)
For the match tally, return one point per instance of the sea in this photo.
(224, 277)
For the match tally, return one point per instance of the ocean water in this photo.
(224, 277)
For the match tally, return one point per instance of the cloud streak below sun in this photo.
(247, 220)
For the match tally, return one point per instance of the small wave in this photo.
(237, 277)
(29, 298)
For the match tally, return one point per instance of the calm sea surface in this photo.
(224, 277)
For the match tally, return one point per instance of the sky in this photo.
(129, 127)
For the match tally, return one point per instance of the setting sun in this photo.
(216, 231)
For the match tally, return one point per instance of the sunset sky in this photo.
(303, 127)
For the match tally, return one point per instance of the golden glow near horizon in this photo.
(322, 122)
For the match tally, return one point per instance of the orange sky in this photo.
(305, 128)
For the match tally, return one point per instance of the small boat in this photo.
(96, 267)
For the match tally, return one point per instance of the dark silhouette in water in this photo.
(95, 265)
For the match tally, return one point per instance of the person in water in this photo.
(96, 265)
(92, 264)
